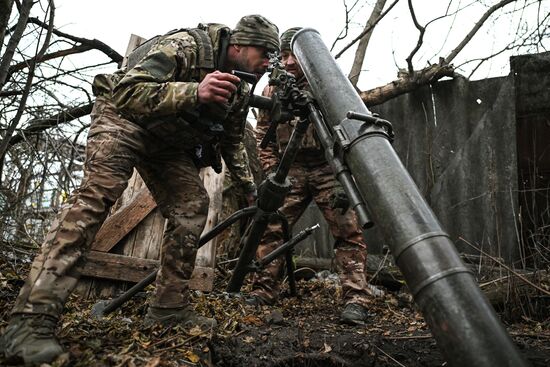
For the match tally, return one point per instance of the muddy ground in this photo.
(300, 331)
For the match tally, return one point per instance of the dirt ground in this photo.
(299, 331)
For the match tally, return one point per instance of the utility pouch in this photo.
(208, 155)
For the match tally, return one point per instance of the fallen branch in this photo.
(520, 276)
(407, 83)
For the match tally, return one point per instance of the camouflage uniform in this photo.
(312, 179)
(140, 120)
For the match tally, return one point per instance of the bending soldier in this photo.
(176, 110)
(312, 179)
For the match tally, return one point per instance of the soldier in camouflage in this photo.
(176, 110)
(312, 179)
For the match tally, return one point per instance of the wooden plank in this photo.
(149, 236)
(117, 226)
(117, 267)
(134, 42)
(203, 275)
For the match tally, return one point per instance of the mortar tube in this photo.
(465, 326)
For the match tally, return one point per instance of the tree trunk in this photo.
(362, 47)
(14, 40)
(5, 11)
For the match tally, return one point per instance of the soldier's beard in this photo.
(243, 64)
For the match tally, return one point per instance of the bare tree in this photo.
(530, 35)
(30, 76)
(43, 95)
(7, 57)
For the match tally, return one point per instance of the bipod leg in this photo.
(288, 257)
(102, 308)
(248, 251)
(302, 235)
(290, 271)
(287, 249)
(271, 196)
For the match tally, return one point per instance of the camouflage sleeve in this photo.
(234, 153)
(269, 156)
(150, 88)
(103, 84)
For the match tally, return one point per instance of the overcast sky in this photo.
(113, 21)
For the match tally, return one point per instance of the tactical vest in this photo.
(212, 42)
(206, 56)
(208, 59)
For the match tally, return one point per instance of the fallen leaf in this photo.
(153, 362)
(192, 357)
(252, 320)
(195, 330)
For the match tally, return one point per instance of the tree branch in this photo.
(366, 30)
(14, 40)
(38, 125)
(407, 83)
(344, 32)
(5, 11)
(476, 28)
(93, 43)
(32, 66)
(420, 38)
(50, 56)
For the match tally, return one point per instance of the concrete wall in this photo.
(459, 141)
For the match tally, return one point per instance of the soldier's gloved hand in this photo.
(339, 199)
(217, 87)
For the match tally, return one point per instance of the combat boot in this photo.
(184, 315)
(354, 314)
(263, 296)
(30, 339)
(258, 300)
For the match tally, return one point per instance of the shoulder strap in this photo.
(206, 52)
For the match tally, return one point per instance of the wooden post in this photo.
(135, 42)
(205, 264)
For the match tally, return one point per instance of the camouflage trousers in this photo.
(314, 180)
(114, 147)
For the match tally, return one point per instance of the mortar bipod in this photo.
(105, 307)
(271, 196)
(287, 249)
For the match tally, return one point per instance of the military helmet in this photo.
(255, 30)
(286, 37)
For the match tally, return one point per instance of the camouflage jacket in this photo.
(269, 157)
(160, 94)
